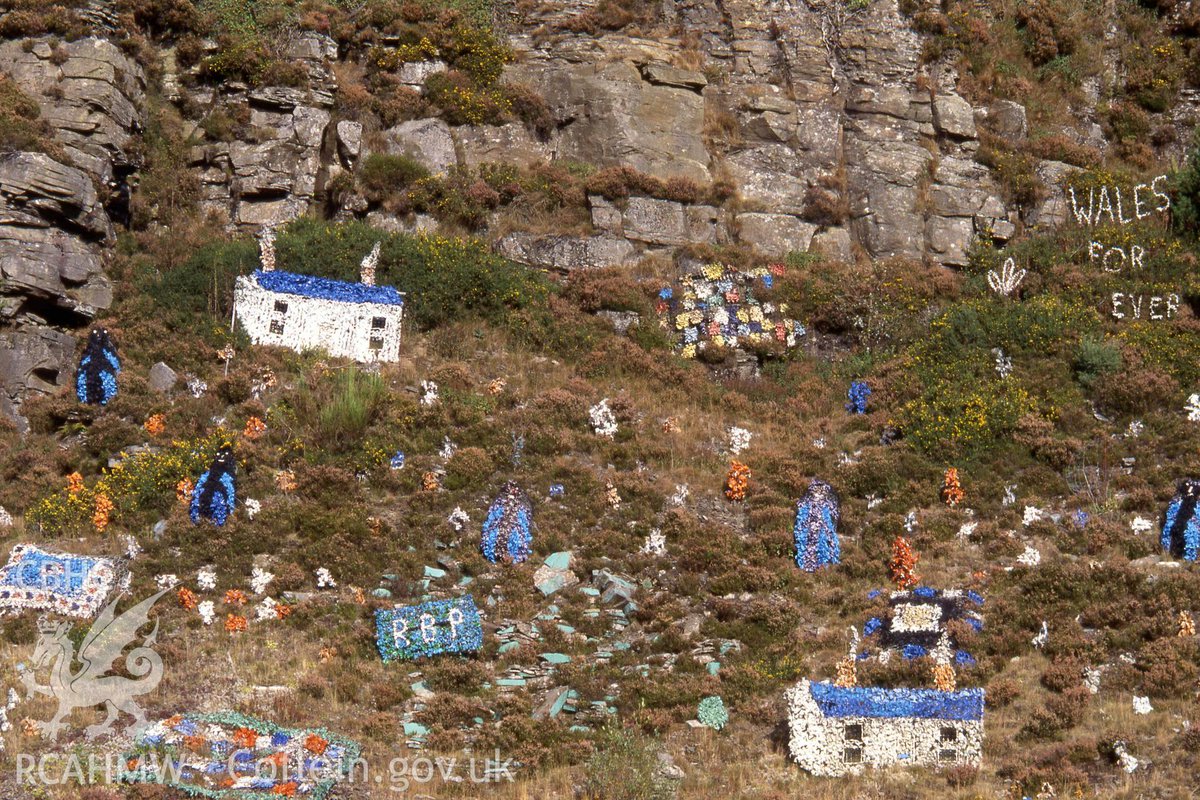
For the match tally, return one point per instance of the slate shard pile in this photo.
(1181, 527)
(214, 495)
(96, 380)
(509, 520)
(815, 530)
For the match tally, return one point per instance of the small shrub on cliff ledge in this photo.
(21, 126)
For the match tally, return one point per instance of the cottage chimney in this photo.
(847, 668)
(367, 272)
(266, 249)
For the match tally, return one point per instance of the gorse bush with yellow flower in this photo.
(146, 480)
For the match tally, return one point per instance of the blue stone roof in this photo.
(835, 701)
(327, 289)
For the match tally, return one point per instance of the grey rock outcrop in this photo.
(566, 253)
(91, 93)
(607, 114)
(427, 141)
(53, 223)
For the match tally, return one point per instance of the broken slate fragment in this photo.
(553, 704)
(555, 574)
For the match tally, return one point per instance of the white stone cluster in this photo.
(1031, 557)
(602, 419)
(325, 579)
(656, 543)
(259, 578)
(1004, 365)
(1193, 408)
(1128, 762)
(1042, 637)
(11, 702)
(266, 610)
(429, 393)
(206, 578)
(458, 518)
(739, 440)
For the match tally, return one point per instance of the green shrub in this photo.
(625, 766)
(203, 285)
(164, 17)
(1185, 205)
(964, 414)
(381, 175)
(21, 126)
(445, 278)
(241, 57)
(464, 103)
(1094, 358)
(347, 409)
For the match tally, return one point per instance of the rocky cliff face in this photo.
(820, 121)
(55, 212)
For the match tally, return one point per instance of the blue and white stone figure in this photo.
(1181, 526)
(815, 531)
(214, 495)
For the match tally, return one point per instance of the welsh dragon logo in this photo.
(94, 681)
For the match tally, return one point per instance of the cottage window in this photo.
(378, 323)
(853, 734)
(281, 306)
(949, 734)
(375, 343)
(277, 327)
(947, 755)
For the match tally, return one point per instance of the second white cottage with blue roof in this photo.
(836, 730)
(360, 320)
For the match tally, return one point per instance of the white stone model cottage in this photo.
(354, 320)
(836, 730)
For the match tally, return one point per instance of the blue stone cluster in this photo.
(214, 496)
(815, 530)
(914, 644)
(1181, 526)
(870, 702)
(438, 626)
(510, 519)
(96, 379)
(327, 289)
(397, 461)
(858, 394)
